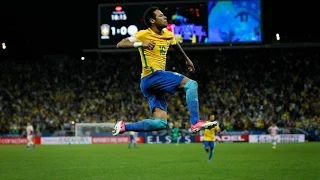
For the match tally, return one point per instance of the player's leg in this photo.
(134, 142)
(178, 140)
(129, 144)
(175, 80)
(131, 141)
(211, 150)
(29, 140)
(274, 142)
(158, 123)
(206, 146)
(32, 143)
(153, 88)
(28, 145)
(173, 139)
(191, 89)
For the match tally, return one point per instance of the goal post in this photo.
(93, 129)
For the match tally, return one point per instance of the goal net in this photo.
(93, 129)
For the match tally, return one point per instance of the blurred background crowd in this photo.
(246, 89)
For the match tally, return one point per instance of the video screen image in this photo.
(234, 21)
(188, 21)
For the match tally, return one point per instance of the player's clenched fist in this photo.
(148, 45)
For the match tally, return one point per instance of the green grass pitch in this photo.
(234, 161)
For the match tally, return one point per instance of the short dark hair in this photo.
(148, 14)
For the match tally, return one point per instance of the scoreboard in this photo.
(192, 22)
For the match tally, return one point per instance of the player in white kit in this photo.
(273, 131)
(30, 132)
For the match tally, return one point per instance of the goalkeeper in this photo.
(176, 135)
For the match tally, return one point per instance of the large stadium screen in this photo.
(201, 22)
(234, 21)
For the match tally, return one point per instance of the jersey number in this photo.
(162, 50)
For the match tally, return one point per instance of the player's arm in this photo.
(131, 42)
(279, 129)
(176, 46)
(218, 129)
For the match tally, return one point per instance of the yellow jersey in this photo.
(153, 60)
(209, 134)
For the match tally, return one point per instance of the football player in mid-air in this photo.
(153, 44)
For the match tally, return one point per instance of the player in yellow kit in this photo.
(132, 136)
(153, 44)
(209, 138)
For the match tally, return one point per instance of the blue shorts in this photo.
(131, 137)
(155, 85)
(208, 144)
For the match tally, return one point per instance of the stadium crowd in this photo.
(247, 89)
